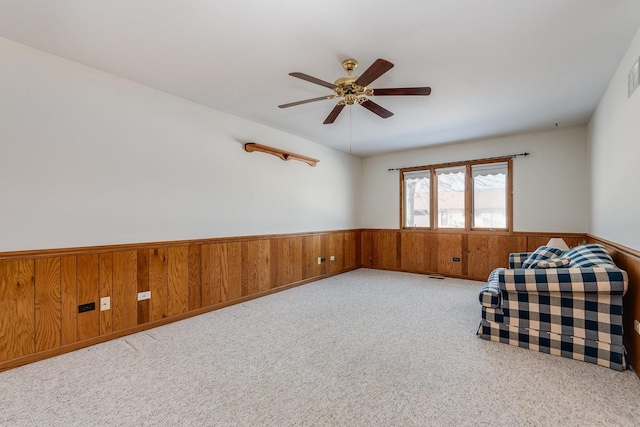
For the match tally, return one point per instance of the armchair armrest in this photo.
(516, 259)
(602, 280)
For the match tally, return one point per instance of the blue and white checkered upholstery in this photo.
(603, 354)
(541, 254)
(516, 259)
(490, 293)
(553, 263)
(589, 255)
(569, 311)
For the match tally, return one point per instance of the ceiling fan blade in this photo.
(375, 70)
(333, 115)
(424, 91)
(292, 104)
(311, 79)
(376, 109)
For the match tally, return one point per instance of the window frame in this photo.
(468, 196)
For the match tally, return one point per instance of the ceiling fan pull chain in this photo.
(350, 140)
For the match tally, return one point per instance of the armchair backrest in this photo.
(516, 259)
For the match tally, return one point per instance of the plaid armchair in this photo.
(572, 311)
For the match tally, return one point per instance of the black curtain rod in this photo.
(513, 156)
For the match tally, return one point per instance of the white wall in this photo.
(550, 186)
(87, 158)
(614, 153)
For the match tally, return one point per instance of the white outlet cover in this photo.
(636, 326)
(319, 260)
(144, 295)
(105, 303)
(333, 258)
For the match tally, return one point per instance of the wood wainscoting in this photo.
(464, 254)
(40, 291)
(628, 260)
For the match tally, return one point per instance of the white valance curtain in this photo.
(487, 169)
(426, 173)
(451, 171)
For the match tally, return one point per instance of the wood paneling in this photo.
(282, 262)
(450, 247)
(386, 250)
(534, 241)
(87, 276)
(486, 252)
(190, 276)
(316, 250)
(69, 300)
(427, 251)
(106, 289)
(258, 266)
(195, 277)
(205, 290)
(215, 284)
(178, 280)
(296, 259)
(351, 250)
(231, 281)
(17, 309)
(274, 268)
(48, 309)
(335, 248)
(310, 260)
(142, 284)
(415, 253)
(127, 311)
(40, 291)
(366, 249)
(158, 274)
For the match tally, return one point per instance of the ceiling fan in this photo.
(353, 89)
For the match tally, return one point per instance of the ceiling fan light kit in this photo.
(353, 89)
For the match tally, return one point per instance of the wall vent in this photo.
(634, 78)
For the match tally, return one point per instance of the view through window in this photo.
(417, 187)
(466, 195)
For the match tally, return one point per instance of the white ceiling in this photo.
(496, 67)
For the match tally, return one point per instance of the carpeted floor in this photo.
(366, 348)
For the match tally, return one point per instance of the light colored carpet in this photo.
(366, 348)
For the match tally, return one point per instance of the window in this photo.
(451, 194)
(463, 196)
(417, 188)
(490, 195)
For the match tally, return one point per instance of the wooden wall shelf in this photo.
(284, 155)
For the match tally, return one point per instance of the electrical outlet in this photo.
(333, 258)
(636, 326)
(105, 303)
(319, 260)
(82, 308)
(144, 295)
